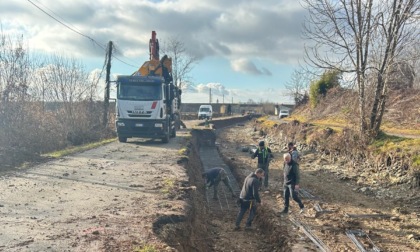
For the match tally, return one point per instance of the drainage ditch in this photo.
(208, 224)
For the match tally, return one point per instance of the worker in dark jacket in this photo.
(213, 177)
(264, 156)
(291, 183)
(249, 198)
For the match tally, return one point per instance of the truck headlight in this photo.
(159, 125)
(120, 124)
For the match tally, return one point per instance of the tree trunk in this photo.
(362, 116)
(376, 102)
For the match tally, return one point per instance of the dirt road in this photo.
(104, 199)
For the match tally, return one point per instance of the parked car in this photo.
(284, 113)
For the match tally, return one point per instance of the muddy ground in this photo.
(147, 195)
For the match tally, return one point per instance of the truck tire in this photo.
(165, 139)
(122, 139)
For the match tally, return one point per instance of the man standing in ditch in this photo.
(264, 156)
(213, 177)
(249, 198)
(291, 183)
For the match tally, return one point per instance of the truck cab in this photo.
(148, 102)
(142, 108)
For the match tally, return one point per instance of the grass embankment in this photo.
(397, 130)
(386, 142)
(77, 149)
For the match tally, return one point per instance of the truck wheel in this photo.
(122, 139)
(165, 139)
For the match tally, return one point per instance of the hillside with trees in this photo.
(358, 96)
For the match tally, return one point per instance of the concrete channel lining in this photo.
(353, 234)
(210, 158)
(308, 232)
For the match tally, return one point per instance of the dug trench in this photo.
(208, 223)
(339, 217)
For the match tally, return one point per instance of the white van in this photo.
(205, 111)
(284, 113)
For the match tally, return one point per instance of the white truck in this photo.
(205, 112)
(148, 102)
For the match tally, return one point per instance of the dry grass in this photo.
(77, 149)
(400, 136)
(400, 129)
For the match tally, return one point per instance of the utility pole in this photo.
(210, 95)
(223, 99)
(107, 84)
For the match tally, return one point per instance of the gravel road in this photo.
(104, 199)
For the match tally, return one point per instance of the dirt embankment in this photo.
(336, 202)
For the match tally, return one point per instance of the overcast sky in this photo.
(247, 49)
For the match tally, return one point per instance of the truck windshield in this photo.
(204, 110)
(143, 92)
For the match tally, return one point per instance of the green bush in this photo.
(320, 87)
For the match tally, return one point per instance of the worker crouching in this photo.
(213, 177)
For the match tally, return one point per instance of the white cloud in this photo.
(255, 37)
(246, 66)
(213, 88)
(234, 29)
(201, 93)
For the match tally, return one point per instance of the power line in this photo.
(57, 15)
(68, 27)
(120, 59)
(76, 31)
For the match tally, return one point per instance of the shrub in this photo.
(319, 88)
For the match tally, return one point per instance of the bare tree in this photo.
(45, 103)
(182, 61)
(362, 38)
(14, 69)
(409, 66)
(297, 86)
(17, 127)
(65, 82)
